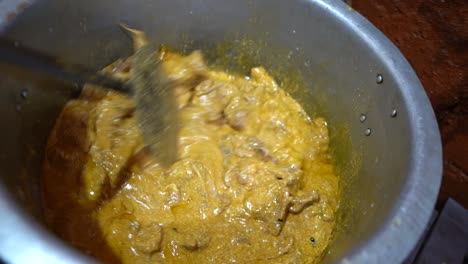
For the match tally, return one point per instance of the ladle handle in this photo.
(18, 55)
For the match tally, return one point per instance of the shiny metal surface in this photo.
(390, 178)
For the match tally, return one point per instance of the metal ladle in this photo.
(154, 99)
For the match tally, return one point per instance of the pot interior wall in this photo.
(337, 68)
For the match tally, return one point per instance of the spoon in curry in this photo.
(155, 102)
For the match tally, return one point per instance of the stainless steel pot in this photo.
(383, 131)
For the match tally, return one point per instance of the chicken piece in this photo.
(236, 112)
(250, 173)
(183, 95)
(268, 203)
(213, 96)
(197, 195)
(148, 238)
(193, 240)
(183, 70)
(300, 202)
(120, 69)
(261, 76)
(245, 146)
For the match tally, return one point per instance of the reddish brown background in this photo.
(433, 36)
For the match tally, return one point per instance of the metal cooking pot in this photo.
(383, 131)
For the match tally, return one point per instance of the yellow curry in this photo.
(253, 182)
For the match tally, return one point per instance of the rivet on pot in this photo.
(394, 113)
(368, 132)
(24, 93)
(379, 78)
(362, 118)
